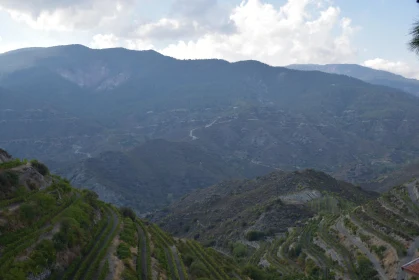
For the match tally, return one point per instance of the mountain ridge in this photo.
(367, 74)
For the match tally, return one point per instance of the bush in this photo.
(365, 269)
(187, 259)
(129, 233)
(128, 212)
(123, 251)
(40, 167)
(9, 178)
(69, 235)
(255, 235)
(256, 273)
(198, 269)
(239, 250)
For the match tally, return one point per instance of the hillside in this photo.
(269, 205)
(49, 230)
(66, 104)
(156, 173)
(304, 222)
(366, 74)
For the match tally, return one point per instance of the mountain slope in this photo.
(304, 221)
(93, 101)
(155, 173)
(269, 204)
(366, 74)
(53, 231)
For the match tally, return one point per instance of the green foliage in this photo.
(28, 212)
(199, 269)
(128, 274)
(129, 232)
(43, 256)
(312, 269)
(364, 237)
(379, 250)
(351, 226)
(13, 163)
(9, 178)
(40, 167)
(414, 41)
(239, 250)
(123, 251)
(365, 269)
(105, 271)
(256, 273)
(128, 212)
(70, 234)
(90, 262)
(254, 235)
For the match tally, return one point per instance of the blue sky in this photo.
(374, 33)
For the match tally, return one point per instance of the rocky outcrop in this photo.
(4, 156)
(31, 178)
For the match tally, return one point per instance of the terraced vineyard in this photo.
(49, 230)
(380, 236)
(345, 233)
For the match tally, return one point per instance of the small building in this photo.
(412, 268)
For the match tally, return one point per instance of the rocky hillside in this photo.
(305, 222)
(156, 173)
(267, 205)
(49, 230)
(69, 103)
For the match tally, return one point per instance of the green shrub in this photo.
(255, 235)
(9, 178)
(129, 233)
(128, 212)
(365, 269)
(12, 164)
(198, 269)
(40, 167)
(123, 251)
(239, 250)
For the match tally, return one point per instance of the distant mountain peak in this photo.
(370, 75)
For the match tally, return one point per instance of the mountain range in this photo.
(77, 108)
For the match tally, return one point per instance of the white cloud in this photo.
(104, 41)
(398, 67)
(66, 15)
(166, 28)
(301, 31)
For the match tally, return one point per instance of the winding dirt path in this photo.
(141, 235)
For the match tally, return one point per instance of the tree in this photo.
(414, 42)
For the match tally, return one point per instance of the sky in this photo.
(373, 33)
